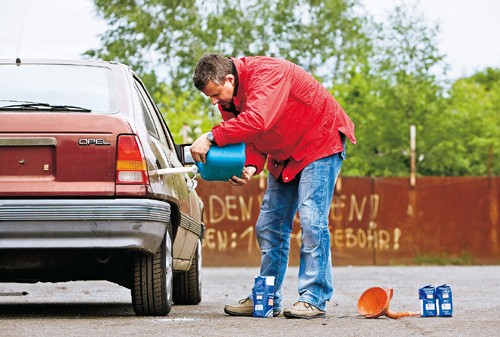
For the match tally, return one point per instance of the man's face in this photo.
(220, 94)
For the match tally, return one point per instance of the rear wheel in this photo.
(152, 284)
(187, 285)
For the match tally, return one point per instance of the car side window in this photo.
(148, 120)
(165, 129)
(150, 115)
(156, 116)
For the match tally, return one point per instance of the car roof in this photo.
(63, 62)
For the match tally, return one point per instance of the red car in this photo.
(81, 198)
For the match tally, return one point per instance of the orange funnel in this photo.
(374, 302)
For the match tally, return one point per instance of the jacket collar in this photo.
(239, 95)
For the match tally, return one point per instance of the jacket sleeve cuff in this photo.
(219, 136)
(255, 158)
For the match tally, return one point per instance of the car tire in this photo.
(152, 280)
(187, 285)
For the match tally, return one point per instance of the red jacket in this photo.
(284, 114)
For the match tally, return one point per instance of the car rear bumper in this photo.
(134, 224)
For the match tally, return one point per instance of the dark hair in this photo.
(212, 67)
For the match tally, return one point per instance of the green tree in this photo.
(469, 133)
(387, 75)
(398, 88)
(161, 41)
(165, 38)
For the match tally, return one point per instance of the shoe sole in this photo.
(235, 313)
(290, 315)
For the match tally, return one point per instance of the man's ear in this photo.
(231, 79)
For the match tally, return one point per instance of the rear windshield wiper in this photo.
(36, 106)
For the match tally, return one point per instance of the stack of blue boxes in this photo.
(435, 301)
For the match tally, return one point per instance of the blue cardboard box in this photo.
(263, 296)
(444, 301)
(427, 297)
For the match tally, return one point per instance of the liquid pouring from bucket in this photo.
(222, 162)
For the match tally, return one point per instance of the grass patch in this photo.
(464, 259)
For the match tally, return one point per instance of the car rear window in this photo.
(89, 87)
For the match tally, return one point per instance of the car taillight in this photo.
(130, 163)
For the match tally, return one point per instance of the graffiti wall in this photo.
(372, 221)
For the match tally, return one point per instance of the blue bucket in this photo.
(223, 162)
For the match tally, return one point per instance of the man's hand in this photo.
(246, 175)
(200, 148)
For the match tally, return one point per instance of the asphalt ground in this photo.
(104, 309)
(476, 307)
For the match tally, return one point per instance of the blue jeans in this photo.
(311, 194)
